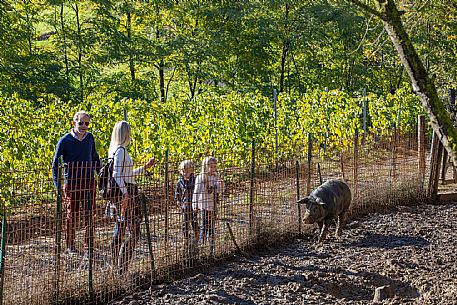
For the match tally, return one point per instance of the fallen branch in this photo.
(234, 241)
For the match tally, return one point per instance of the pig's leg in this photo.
(323, 230)
(338, 226)
(339, 222)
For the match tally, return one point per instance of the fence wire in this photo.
(256, 204)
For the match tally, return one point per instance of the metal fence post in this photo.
(297, 179)
(167, 199)
(2, 254)
(355, 162)
(310, 156)
(251, 192)
(148, 233)
(393, 162)
(58, 237)
(365, 115)
(319, 172)
(275, 109)
(91, 248)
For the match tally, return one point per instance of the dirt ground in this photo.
(411, 250)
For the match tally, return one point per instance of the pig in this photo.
(330, 201)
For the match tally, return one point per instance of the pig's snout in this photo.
(307, 219)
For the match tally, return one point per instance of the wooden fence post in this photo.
(444, 167)
(436, 174)
(433, 156)
(435, 163)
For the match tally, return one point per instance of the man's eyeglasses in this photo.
(83, 123)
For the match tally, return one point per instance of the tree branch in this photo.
(367, 8)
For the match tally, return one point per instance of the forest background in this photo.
(201, 77)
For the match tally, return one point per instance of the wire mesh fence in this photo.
(64, 249)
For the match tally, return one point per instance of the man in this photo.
(80, 161)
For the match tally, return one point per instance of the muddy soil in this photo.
(409, 250)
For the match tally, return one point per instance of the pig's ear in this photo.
(303, 200)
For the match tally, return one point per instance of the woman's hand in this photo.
(150, 163)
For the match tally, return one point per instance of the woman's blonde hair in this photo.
(120, 136)
(185, 165)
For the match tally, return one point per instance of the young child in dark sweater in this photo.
(183, 197)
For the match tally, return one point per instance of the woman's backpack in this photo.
(107, 185)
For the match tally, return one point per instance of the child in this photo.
(205, 199)
(183, 197)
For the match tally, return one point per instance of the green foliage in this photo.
(73, 50)
(224, 125)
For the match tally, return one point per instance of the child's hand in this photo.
(221, 185)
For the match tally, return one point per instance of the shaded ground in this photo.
(411, 249)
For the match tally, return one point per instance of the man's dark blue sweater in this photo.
(80, 160)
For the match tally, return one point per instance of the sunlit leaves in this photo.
(224, 125)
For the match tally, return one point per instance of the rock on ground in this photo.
(409, 249)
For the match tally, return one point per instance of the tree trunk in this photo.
(162, 81)
(29, 33)
(80, 55)
(161, 64)
(129, 36)
(62, 24)
(422, 84)
(285, 49)
(192, 81)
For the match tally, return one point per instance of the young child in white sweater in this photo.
(204, 201)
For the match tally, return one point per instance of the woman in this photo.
(128, 219)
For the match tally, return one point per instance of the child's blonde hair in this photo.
(205, 164)
(186, 164)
